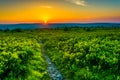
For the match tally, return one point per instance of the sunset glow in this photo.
(45, 21)
(60, 11)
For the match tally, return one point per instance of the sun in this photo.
(45, 20)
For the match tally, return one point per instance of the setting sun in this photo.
(45, 21)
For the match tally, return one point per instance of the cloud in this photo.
(78, 2)
(46, 7)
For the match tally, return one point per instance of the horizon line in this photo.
(59, 23)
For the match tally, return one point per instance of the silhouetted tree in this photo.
(17, 30)
(6, 30)
(1, 30)
(66, 29)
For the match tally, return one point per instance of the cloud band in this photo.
(78, 2)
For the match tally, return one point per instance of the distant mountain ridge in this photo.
(30, 26)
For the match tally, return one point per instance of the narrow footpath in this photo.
(52, 70)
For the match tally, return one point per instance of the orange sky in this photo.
(57, 12)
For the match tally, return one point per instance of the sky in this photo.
(59, 11)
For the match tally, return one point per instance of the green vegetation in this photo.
(79, 53)
(86, 55)
(21, 58)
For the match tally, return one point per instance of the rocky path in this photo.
(52, 70)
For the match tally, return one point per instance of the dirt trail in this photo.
(52, 70)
